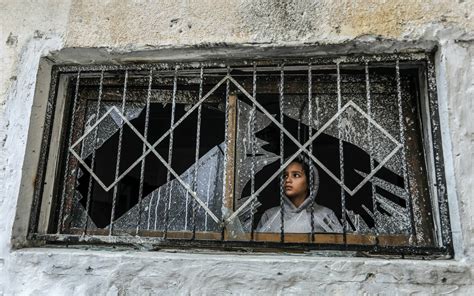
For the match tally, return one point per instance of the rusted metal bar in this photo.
(253, 143)
(312, 190)
(196, 156)
(119, 152)
(282, 151)
(145, 135)
(341, 152)
(94, 143)
(370, 140)
(170, 152)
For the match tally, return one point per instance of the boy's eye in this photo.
(297, 175)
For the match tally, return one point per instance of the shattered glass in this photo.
(208, 189)
(384, 207)
(368, 138)
(244, 157)
(108, 126)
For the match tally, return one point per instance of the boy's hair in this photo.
(304, 165)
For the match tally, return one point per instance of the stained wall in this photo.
(123, 31)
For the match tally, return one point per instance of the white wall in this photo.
(87, 31)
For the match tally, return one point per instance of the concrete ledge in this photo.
(136, 272)
(367, 44)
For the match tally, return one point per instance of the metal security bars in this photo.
(194, 154)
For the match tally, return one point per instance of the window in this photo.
(198, 154)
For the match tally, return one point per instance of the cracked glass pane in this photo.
(159, 197)
(357, 141)
(376, 203)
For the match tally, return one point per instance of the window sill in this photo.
(333, 245)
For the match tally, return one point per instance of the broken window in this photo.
(196, 152)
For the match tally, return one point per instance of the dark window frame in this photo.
(425, 60)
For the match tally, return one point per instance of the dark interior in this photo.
(326, 149)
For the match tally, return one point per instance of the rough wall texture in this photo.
(136, 29)
(137, 24)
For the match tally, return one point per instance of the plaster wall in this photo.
(121, 31)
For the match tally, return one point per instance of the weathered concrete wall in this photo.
(137, 24)
(89, 31)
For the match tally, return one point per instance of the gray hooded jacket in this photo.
(298, 220)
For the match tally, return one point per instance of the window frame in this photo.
(364, 245)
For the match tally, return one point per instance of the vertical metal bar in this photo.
(68, 157)
(145, 135)
(369, 137)
(94, 143)
(196, 157)
(312, 190)
(119, 152)
(282, 152)
(402, 141)
(253, 142)
(226, 140)
(170, 151)
(341, 153)
(317, 125)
